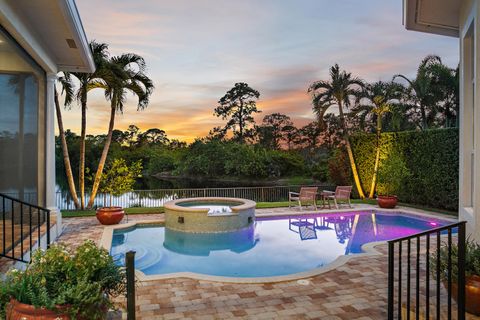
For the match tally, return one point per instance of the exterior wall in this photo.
(469, 184)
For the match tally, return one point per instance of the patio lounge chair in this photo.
(305, 196)
(342, 193)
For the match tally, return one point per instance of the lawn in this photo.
(260, 205)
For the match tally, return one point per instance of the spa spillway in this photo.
(209, 215)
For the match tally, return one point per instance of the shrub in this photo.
(83, 280)
(119, 178)
(391, 174)
(219, 158)
(431, 157)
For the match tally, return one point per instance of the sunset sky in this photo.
(197, 49)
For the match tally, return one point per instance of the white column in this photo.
(50, 192)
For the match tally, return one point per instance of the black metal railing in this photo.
(24, 225)
(130, 270)
(412, 281)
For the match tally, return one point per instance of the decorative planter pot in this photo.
(387, 202)
(472, 294)
(19, 311)
(110, 215)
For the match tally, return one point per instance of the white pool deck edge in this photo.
(368, 248)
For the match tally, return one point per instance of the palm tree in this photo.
(380, 98)
(68, 92)
(89, 81)
(422, 92)
(129, 76)
(338, 91)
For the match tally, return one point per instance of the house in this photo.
(459, 18)
(37, 40)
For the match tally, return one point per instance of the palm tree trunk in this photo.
(66, 158)
(424, 118)
(356, 177)
(81, 167)
(377, 158)
(351, 158)
(103, 158)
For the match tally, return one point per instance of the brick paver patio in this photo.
(355, 290)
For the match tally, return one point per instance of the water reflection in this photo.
(202, 244)
(307, 227)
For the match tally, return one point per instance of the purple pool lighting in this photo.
(273, 246)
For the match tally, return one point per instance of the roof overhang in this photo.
(432, 16)
(50, 31)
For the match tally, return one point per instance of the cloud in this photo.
(197, 50)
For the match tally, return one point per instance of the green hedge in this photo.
(431, 157)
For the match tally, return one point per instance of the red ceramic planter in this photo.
(19, 311)
(387, 202)
(472, 294)
(110, 215)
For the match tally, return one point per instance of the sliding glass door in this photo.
(22, 94)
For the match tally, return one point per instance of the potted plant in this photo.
(391, 175)
(472, 273)
(118, 179)
(62, 283)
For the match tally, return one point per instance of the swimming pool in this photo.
(273, 246)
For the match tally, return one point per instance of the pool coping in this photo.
(368, 248)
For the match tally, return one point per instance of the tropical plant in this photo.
(120, 177)
(80, 282)
(338, 92)
(237, 105)
(375, 101)
(434, 84)
(127, 75)
(472, 260)
(68, 92)
(89, 81)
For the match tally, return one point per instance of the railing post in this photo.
(391, 261)
(48, 228)
(461, 272)
(130, 266)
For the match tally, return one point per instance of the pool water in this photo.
(273, 246)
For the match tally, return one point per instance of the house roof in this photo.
(50, 31)
(432, 16)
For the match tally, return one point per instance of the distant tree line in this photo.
(343, 105)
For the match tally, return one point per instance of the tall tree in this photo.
(309, 135)
(338, 92)
(89, 81)
(127, 76)
(290, 135)
(153, 136)
(375, 101)
(422, 94)
(68, 92)
(446, 82)
(271, 130)
(238, 105)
